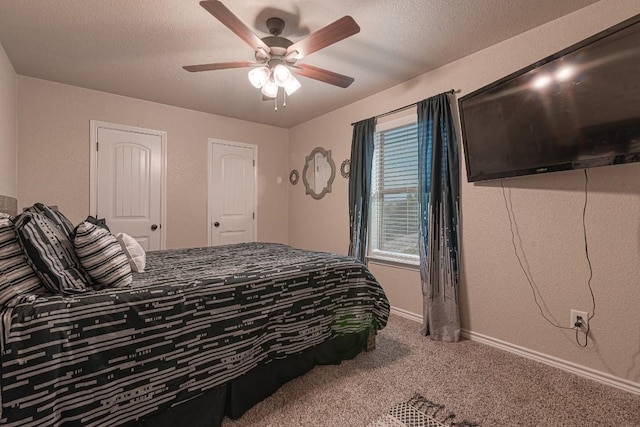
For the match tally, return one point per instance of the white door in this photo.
(129, 175)
(231, 193)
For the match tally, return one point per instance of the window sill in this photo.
(394, 262)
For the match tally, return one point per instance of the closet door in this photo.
(232, 186)
(129, 183)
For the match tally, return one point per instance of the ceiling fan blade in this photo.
(220, 66)
(322, 75)
(231, 21)
(332, 33)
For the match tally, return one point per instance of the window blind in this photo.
(395, 193)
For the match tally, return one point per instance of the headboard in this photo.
(8, 205)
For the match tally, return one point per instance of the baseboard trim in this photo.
(574, 368)
(583, 371)
(406, 314)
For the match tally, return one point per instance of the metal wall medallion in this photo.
(294, 177)
(345, 168)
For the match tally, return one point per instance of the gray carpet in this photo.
(476, 382)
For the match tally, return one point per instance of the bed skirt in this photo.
(239, 395)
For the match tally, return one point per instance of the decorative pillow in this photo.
(16, 276)
(101, 256)
(54, 215)
(136, 255)
(51, 254)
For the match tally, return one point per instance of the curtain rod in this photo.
(397, 110)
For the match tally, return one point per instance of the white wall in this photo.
(8, 126)
(496, 300)
(53, 156)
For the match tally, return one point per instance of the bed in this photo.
(203, 333)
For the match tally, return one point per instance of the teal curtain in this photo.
(362, 145)
(439, 200)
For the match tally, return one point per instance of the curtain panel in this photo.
(439, 201)
(362, 145)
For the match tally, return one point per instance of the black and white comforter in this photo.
(196, 319)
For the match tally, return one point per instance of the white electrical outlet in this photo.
(574, 317)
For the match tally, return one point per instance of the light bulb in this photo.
(292, 85)
(281, 75)
(541, 82)
(258, 76)
(564, 73)
(270, 89)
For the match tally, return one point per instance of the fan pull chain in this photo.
(275, 103)
(284, 98)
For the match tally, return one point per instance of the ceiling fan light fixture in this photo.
(270, 89)
(292, 85)
(259, 76)
(282, 75)
(275, 55)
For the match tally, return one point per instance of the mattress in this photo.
(194, 320)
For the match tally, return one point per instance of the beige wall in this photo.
(53, 156)
(8, 126)
(53, 167)
(496, 299)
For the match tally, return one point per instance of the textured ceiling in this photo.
(137, 48)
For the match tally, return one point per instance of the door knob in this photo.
(216, 224)
(154, 227)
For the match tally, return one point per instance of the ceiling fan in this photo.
(275, 56)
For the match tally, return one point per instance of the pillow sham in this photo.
(51, 254)
(101, 256)
(55, 216)
(16, 275)
(134, 252)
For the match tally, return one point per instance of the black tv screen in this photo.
(575, 109)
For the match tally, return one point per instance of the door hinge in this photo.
(254, 163)
(254, 215)
(97, 146)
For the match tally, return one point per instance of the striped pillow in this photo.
(16, 276)
(55, 216)
(101, 256)
(51, 254)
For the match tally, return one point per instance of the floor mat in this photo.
(419, 412)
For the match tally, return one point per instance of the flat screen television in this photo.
(575, 109)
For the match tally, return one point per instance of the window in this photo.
(394, 192)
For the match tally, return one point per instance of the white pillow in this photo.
(134, 252)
